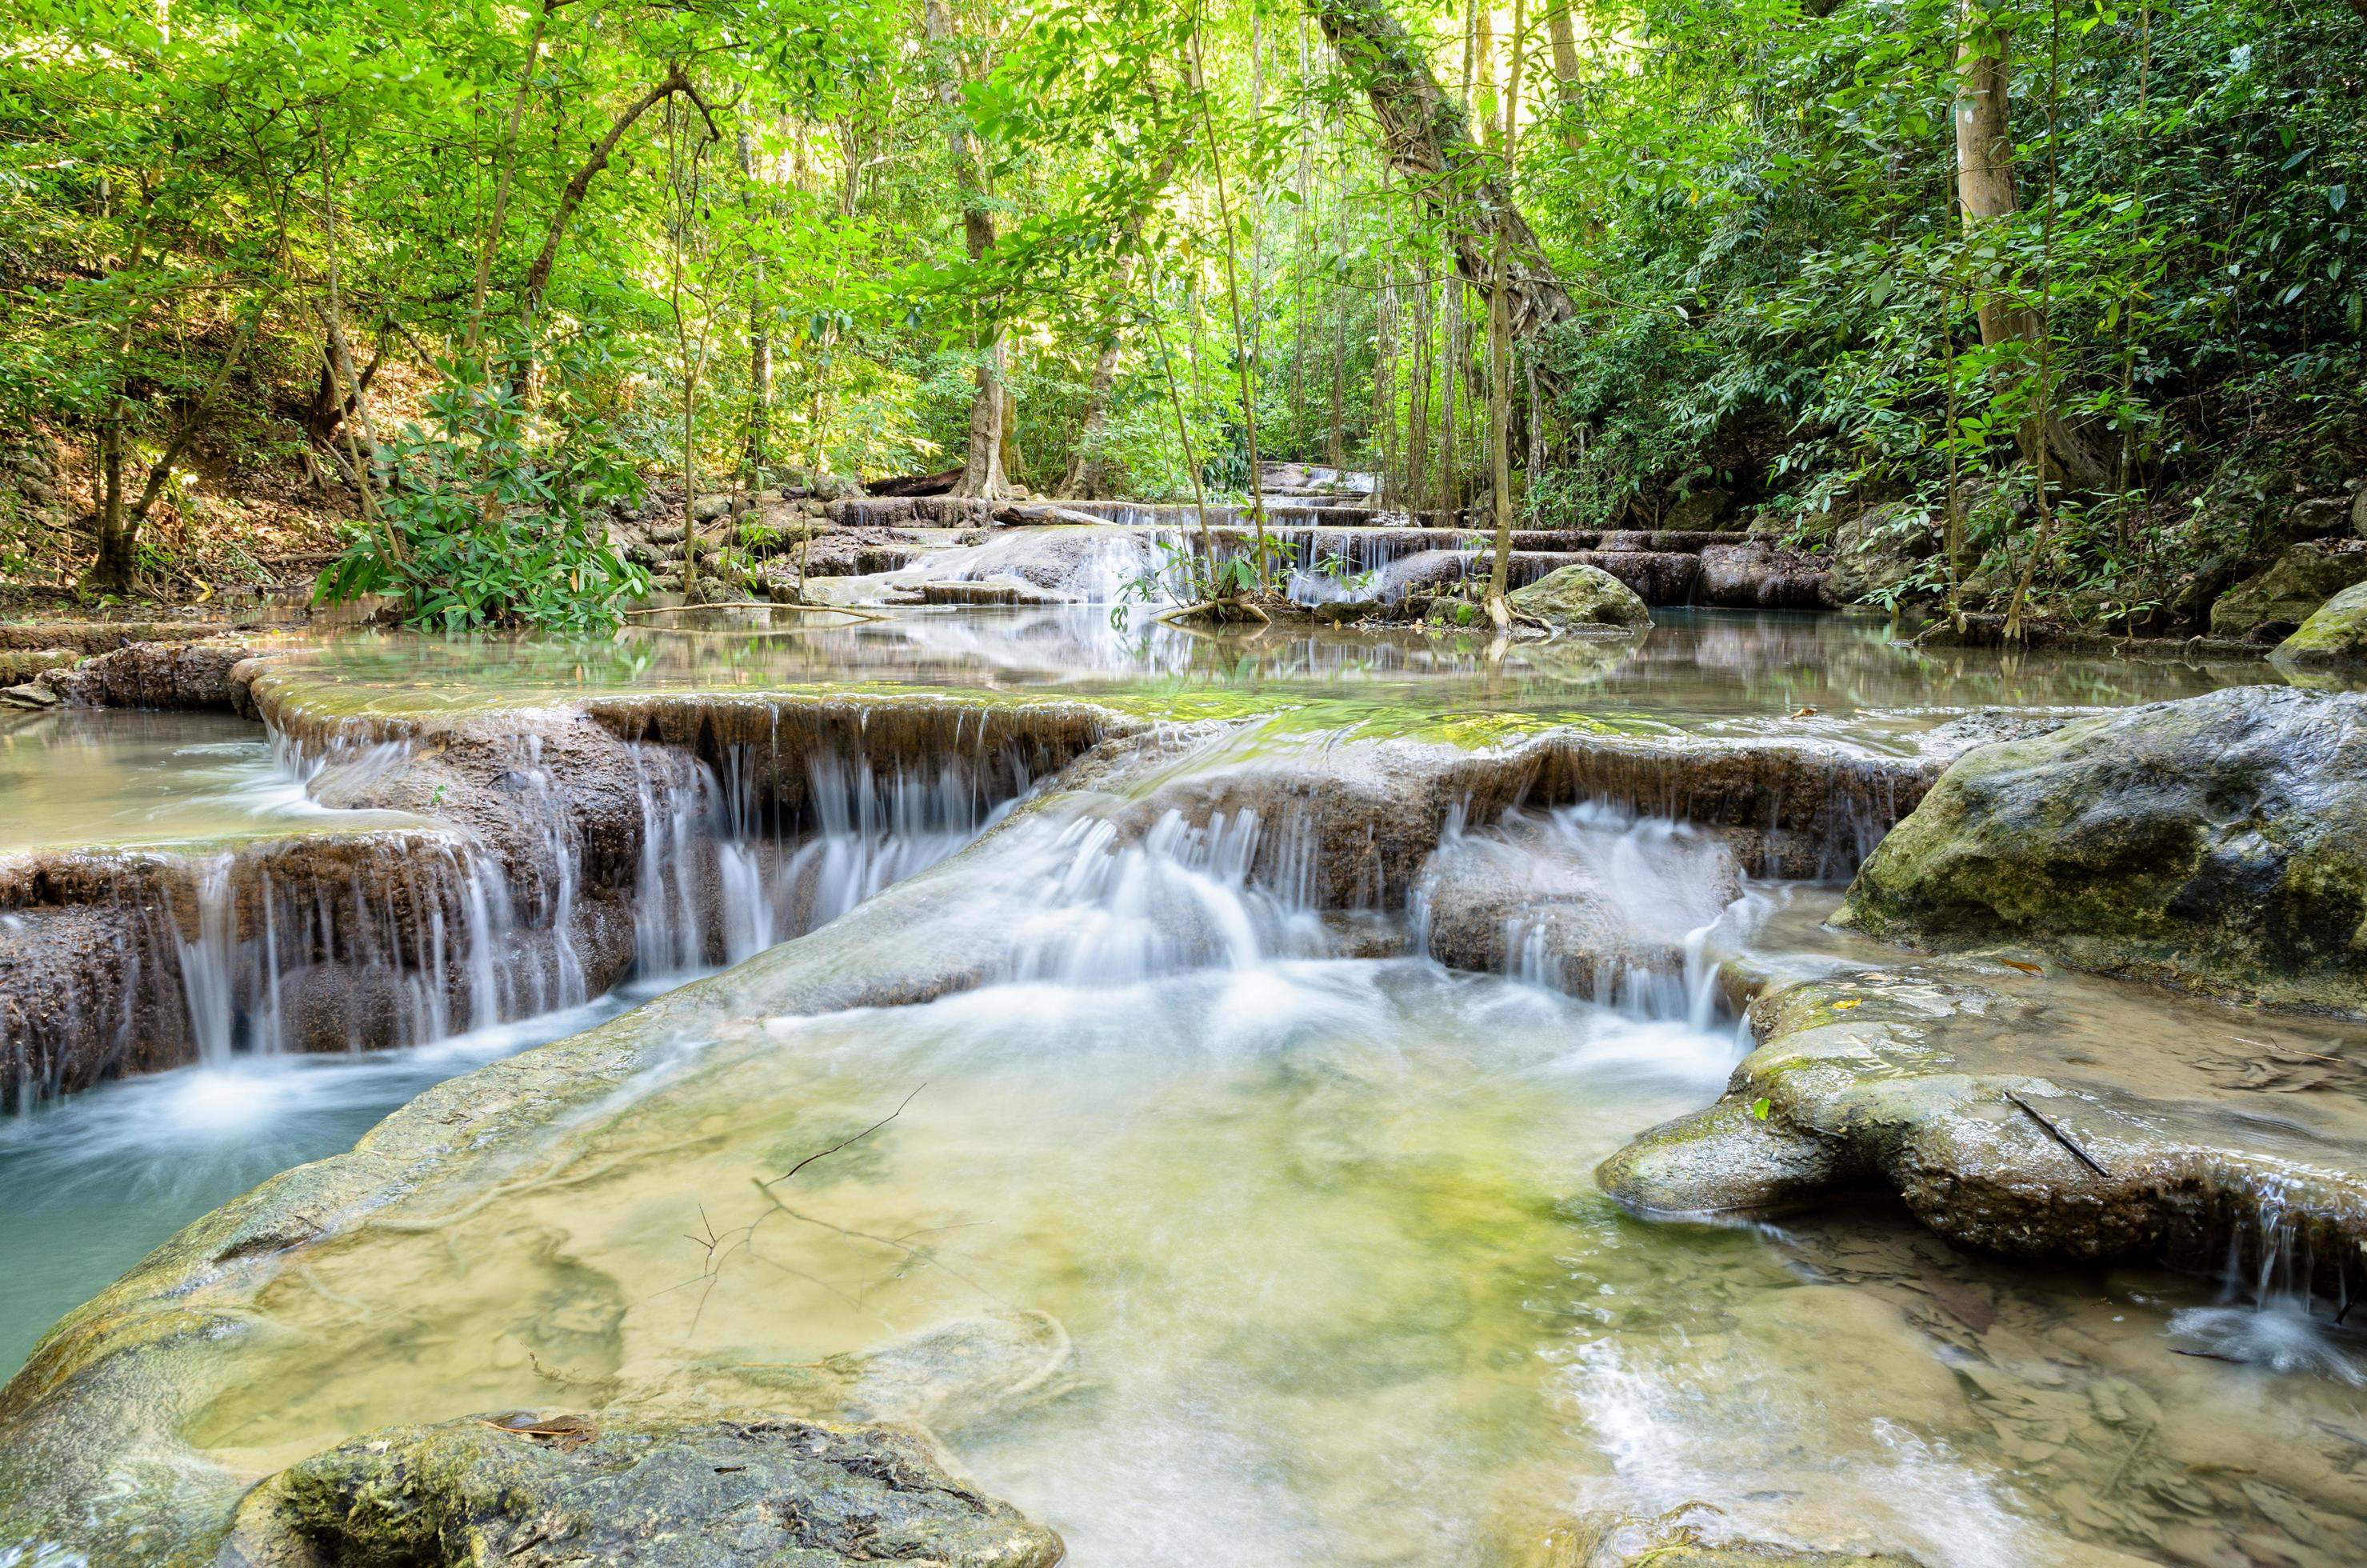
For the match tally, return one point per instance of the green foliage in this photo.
(484, 524)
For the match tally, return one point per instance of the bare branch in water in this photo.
(834, 1148)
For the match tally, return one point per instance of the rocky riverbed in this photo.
(1160, 1080)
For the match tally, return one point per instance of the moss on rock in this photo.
(2219, 843)
(1582, 596)
(2288, 593)
(539, 1490)
(2335, 635)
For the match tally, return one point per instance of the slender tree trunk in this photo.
(1084, 479)
(500, 214)
(1566, 73)
(1500, 343)
(363, 452)
(111, 572)
(194, 420)
(1450, 477)
(1417, 492)
(982, 474)
(760, 340)
(1244, 352)
(537, 277)
(1985, 185)
(1429, 139)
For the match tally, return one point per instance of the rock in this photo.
(1618, 1541)
(714, 507)
(542, 1491)
(1581, 901)
(1699, 510)
(17, 665)
(1582, 595)
(30, 696)
(2335, 634)
(1759, 575)
(2358, 513)
(197, 674)
(2219, 843)
(2268, 607)
(1423, 572)
(2041, 1116)
(1881, 549)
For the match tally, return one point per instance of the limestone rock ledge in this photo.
(2219, 843)
(2038, 1116)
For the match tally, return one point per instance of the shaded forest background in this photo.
(2046, 305)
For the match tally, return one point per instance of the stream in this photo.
(1281, 1230)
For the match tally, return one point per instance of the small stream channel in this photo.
(1296, 1220)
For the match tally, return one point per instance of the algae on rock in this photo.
(2335, 635)
(1582, 596)
(2219, 843)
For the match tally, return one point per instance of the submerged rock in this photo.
(542, 1491)
(2271, 606)
(1581, 899)
(2336, 634)
(1675, 1540)
(1581, 596)
(2219, 843)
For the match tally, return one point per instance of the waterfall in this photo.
(209, 963)
(1592, 899)
(1112, 914)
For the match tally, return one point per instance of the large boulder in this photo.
(2219, 843)
(540, 1491)
(1582, 595)
(1881, 549)
(2268, 607)
(2335, 634)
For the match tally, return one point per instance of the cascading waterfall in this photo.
(209, 964)
(721, 878)
(1592, 899)
(1115, 914)
(2271, 1311)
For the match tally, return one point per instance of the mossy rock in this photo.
(2219, 843)
(1582, 595)
(2287, 594)
(2335, 635)
(540, 1491)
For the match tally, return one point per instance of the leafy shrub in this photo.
(482, 523)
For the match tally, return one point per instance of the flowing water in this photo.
(1285, 1230)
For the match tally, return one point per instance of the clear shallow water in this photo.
(118, 776)
(94, 1181)
(1718, 671)
(1319, 1230)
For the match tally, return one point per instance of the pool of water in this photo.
(124, 778)
(1718, 671)
(1295, 1227)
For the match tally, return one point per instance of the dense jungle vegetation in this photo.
(2054, 304)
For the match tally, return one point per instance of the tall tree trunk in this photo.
(1429, 140)
(537, 277)
(1418, 491)
(1499, 344)
(760, 341)
(1450, 477)
(1566, 69)
(500, 214)
(982, 474)
(1985, 185)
